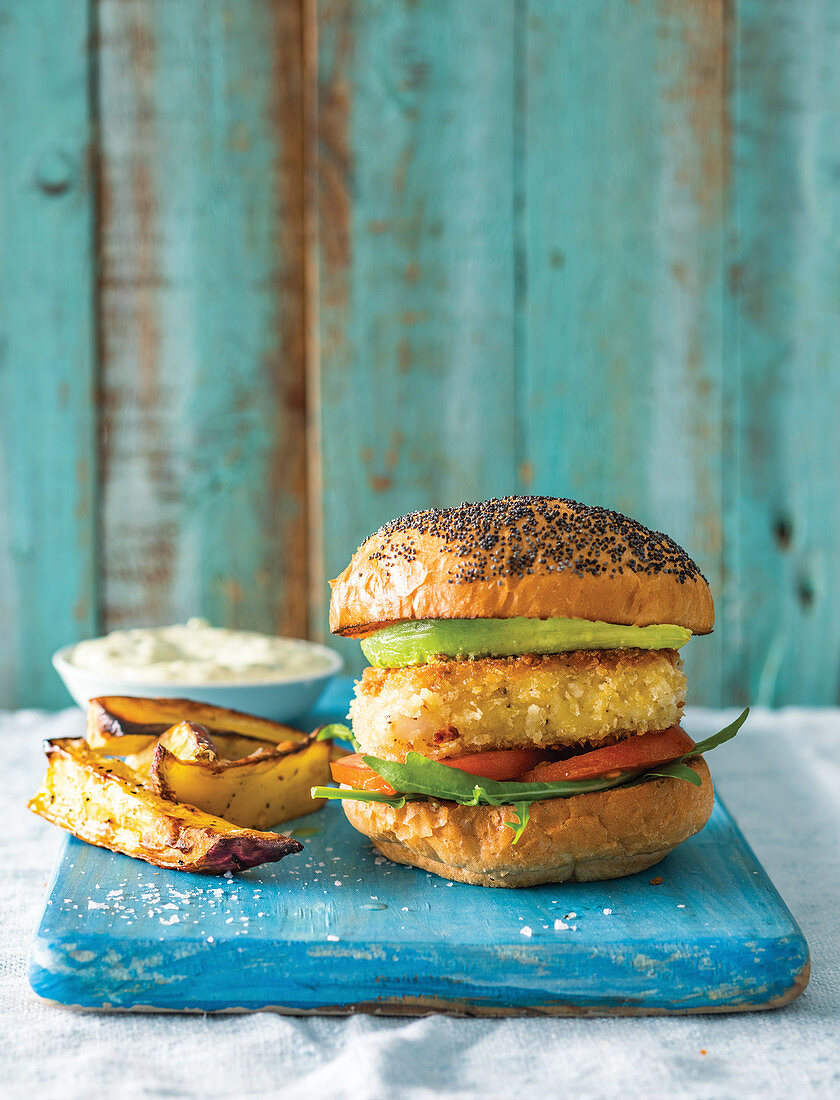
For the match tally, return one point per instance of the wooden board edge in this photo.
(434, 1006)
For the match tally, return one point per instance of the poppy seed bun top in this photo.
(536, 557)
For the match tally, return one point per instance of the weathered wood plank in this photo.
(624, 177)
(415, 262)
(47, 346)
(782, 518)
(204, 495)
(516, 280)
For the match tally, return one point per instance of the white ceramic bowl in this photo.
(281, 700)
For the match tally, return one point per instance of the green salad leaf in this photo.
(341, 795)
(678, 769)
(337, 731)
(357, 796)
(419, 777)
(719, 738)
(523, 812)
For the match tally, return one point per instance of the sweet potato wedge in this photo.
(256, 792)
(123, 725)
(191, 741)
(103, 801)
(233, 746)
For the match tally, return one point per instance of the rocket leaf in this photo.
(419, 777)
(523, 812)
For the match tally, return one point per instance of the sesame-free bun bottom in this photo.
(590, 837)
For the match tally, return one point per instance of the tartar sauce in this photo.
(197, 653)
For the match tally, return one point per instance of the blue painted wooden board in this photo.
(341, 929)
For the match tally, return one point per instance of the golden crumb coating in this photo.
(446, 708)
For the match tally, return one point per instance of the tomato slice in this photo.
(645, 750)
(642, 751)
(353, 771)
(496, 763)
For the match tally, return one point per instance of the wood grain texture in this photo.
(203, 497)
(624, 178)
(165, 940)
(712, 936)
(415, 263)
(48, 585)
(782, 515)
(364, 256)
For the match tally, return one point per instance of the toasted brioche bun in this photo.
(603, 835)
(537, 557)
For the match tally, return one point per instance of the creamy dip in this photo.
(197, 653)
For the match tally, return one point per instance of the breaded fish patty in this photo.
(446, 708)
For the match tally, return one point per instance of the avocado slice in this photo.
(422, 640)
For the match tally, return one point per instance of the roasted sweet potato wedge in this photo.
(103, 801)
(189, 741)
(256, 792)
(123, 725)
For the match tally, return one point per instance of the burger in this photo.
(520, 719)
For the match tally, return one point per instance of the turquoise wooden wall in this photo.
(273, 271)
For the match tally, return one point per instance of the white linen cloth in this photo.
(780, 779)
